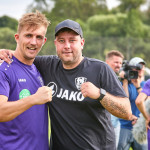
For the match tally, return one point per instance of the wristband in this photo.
(138, 88)
(102, 94)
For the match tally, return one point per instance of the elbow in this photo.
(129, 116)
(138, 102)
(127, 112)
(4, 118)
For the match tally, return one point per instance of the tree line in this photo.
(125, 28)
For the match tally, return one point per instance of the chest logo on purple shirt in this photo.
(24, 93)
(79, 81)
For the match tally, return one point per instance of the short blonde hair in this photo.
(33, 20)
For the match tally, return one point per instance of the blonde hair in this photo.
(33, 20)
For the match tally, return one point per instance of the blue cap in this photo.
(71, 25)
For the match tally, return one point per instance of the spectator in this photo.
(132, 89)
(145, 93)
(114, 59)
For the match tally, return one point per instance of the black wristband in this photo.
(102, 94)
(138, 88)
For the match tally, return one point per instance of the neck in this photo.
(22, 59)
(72, 65)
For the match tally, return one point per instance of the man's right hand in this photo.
(6, 55)
(42, 96)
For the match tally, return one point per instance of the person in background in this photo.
(132, 89)
(143, 96)
(114, 59)
(85, 92)
(23, 112)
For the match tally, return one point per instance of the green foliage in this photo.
(103, 30)
(97, 47)
(9, 22)
(145, 16)
(7, 39)
(108, 25)
(127, 5)
(48, 48)
(119, 25)
(74, 9)
(134, 26)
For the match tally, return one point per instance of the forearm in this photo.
(125, 86)
(10, 110)
(117, 106)
(139, 89)
(140, 104)
(143, 110)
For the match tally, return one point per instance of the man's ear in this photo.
(55, 42)
(16, 37)
(45, 39)
(82, 43)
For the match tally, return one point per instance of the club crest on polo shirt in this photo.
(24, 93)
(79, 81)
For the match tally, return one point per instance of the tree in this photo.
(41, 5)
(6, 21)
(72, 9)
(7, 39)
(108, 25)
(127, 5)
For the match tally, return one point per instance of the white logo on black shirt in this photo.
(53, 86)
(65, 94)
(79, 81)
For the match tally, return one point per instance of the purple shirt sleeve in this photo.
(146, 88)
(4, 85)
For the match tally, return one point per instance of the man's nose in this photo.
(33, 41)
(67, 44)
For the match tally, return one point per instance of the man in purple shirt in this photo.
(23, 112)
(140, 104)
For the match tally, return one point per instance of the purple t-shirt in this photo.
(146, 88)
(28, 131)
